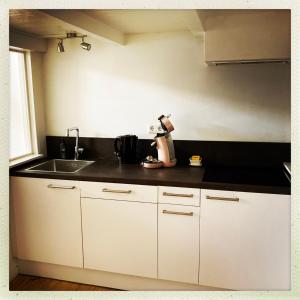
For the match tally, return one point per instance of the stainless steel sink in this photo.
(60, 166)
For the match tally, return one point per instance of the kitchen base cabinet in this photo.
(178, 243)
(47, 220)
(245, 240)
(120, 236)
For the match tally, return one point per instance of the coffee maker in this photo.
(165, 150)
(164, 145)
(125, 148)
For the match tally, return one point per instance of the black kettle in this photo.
(125, 148)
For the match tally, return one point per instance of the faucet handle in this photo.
(78, 153)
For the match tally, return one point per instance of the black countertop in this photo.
(254, 179)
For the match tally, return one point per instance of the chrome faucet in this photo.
(77, 149)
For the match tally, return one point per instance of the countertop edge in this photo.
(200, 185)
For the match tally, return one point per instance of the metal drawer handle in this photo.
(169, 212)
(51, 186)
(222, 198)
(116, 191)
(178, 195)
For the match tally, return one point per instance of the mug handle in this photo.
(117, 149)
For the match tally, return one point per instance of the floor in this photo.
(33, 283)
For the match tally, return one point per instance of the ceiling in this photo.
(127, 21)
(130, 21)
(37, 23)
(113, 24)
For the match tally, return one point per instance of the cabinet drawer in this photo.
(179, 195)
(119, 191)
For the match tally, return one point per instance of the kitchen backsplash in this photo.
(221, 153)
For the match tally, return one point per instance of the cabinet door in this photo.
(248, 36)
(178, 243)
(245, 243)
(47, 220)
(120, 236)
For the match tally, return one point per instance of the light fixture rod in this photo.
(72, 35)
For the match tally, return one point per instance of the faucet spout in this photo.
(77, 138)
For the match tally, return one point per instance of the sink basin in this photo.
(60, 166)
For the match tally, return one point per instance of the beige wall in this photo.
(39, 103)
(115, 90)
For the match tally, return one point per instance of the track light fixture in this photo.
(71, 35)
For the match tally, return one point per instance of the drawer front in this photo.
(179, 195)
(119, 191)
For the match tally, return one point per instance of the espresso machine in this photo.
(164, 145)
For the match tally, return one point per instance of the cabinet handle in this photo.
(116, 191)
(222, 198)
(51, 186)
(169, 212)
(178, 195)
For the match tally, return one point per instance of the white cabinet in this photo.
(47, 220)
(178, 243)
(249, 36)
(120, 236)
(241, 241)
(119, 191)
(245, 240)
(178, 234)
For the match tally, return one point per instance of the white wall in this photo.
(115, 90)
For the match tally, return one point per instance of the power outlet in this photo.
(154, 129)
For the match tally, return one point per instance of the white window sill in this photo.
(21, 160)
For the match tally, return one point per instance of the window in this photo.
(20, 125)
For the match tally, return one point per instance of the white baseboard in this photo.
(105, 279)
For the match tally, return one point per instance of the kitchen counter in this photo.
(260, 180)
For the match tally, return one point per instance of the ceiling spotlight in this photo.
(60, 46)
(71, 35)
(85, 46)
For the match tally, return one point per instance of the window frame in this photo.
(30, 107)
